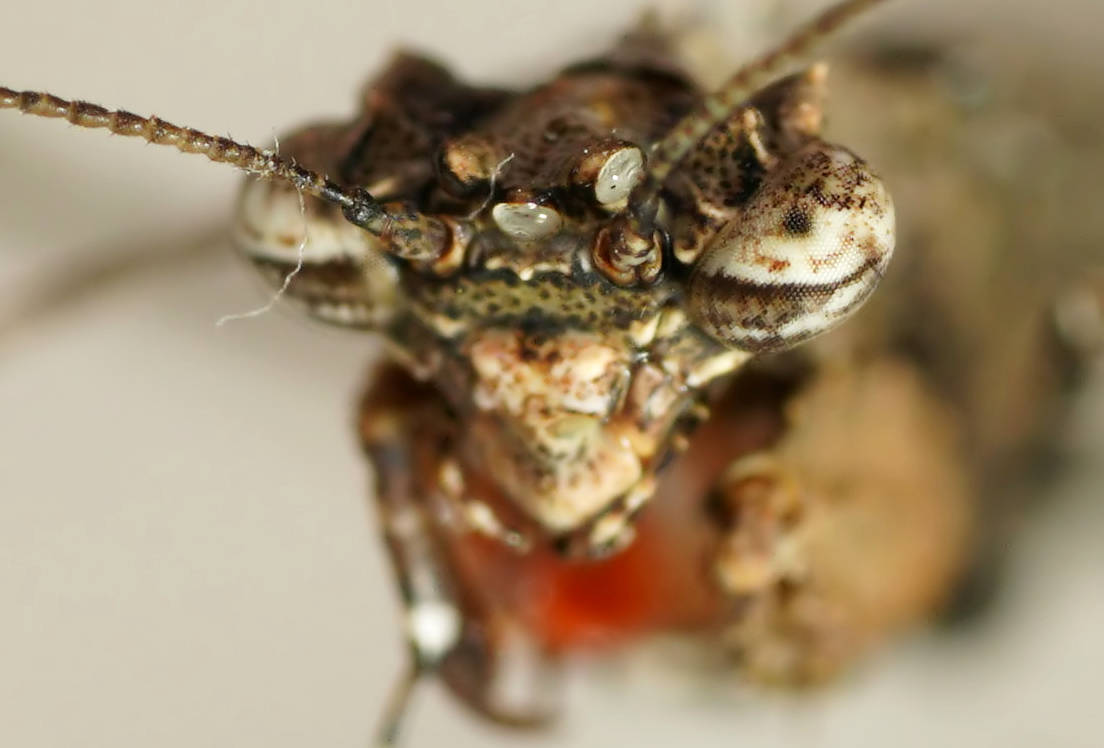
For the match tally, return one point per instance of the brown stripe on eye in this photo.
(741, 311)
(332, 279)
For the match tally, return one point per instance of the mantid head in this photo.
(570, 265)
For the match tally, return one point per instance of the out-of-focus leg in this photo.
(451, 629)
(852, 526)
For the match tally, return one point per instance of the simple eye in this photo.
(809, 248)
(527, 221)
(619, 174)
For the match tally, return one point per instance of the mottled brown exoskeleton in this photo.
(571, 279)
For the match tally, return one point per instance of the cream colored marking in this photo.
(404, 524)
(268, 212)
(716, 366)
(671, 321)
(345, 314)
(640, 494)
(300, 250)
(582, 380)
(451, 479)
(572, 492)
(756, 249)
(445, 326)
(527, 221)
(643, 332)
(611, 530)
(752, 121)
(622, 171)
(490, 187)
(480, 518)
(434, 627)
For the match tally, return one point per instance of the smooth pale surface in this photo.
(186, 558)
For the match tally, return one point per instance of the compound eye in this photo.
(808, 249)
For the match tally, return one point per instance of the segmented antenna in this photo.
(358, 205)
(723, 103)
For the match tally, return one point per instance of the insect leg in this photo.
(451, 627)
(97, 271)
(852, 526)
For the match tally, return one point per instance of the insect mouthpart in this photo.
(544, 408)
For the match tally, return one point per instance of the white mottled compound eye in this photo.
(809, 248)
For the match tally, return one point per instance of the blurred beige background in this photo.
(186, 557)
